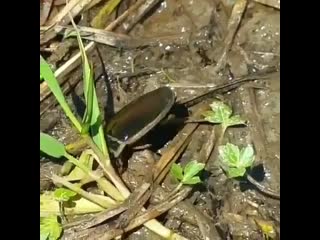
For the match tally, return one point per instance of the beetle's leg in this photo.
(115, 146)
(142, 147)
(113, 139)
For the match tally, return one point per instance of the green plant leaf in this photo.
(48, 76)
(247, 156)
(87, 77)
(63, 194)
(44, 235)
(192, 181)
(229, 154)
(221, 113)
(235, 120)
(191, 169)
(50, 228)
(89, 97)
(51, 146)
(236, 172)
(92, 114)
(235, 161)
(176, 171)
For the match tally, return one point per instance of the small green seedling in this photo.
(63, 195)
(267, 229)
(187, 175)
(50, 228)
(235, 161)
(221, 114)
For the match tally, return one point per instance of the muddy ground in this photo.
(230, 207)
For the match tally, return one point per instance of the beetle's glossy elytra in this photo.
(138, 117)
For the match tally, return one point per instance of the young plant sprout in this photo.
(235, 162)
(63, 195)
(221, 113)
(267, 229)
(186, 175)
(50, 228)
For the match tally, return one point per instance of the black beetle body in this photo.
(137, 118)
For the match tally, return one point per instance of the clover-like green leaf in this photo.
(176, 171)
(221, 113)
(236, 172)
(235, 120)
(229, 154)
(235, 161)
(247, 156)
(63, 194)
(187, 175)
(192, 181)
(191, 169)
(50, 228)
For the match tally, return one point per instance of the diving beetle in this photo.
(140, 116)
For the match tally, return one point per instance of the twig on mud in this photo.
(139, 14)
(75, 60)
(74, 7)
(270, 3)
(262, 188)
(124, 41)
(110, 231)
(46, 8)
(134, 205)
(151, 213)
(97, 35)
(233, 25)
(109, 213)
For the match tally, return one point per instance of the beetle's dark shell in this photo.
(138, 117)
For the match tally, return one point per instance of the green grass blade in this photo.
(93, 114)
(89, 99)
(51, 146)
(48, 76)
(97, 127)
